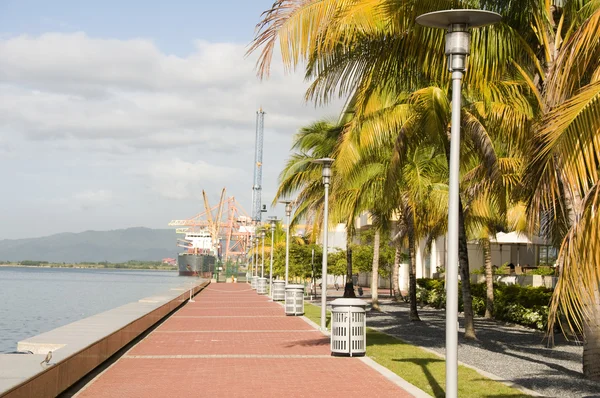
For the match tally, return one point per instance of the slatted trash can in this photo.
(261, 286)
(348, 327)
(278, 290)
(253, 282)
(294, 300)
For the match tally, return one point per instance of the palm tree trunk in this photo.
(349, 288)
(591, 344)
(489, 280)
(375, 272)
(412, 277)
(395, 276)
(463, 256)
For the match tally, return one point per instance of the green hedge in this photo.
(527, 306)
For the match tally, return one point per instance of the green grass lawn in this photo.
(422, 368)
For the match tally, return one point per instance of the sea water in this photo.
(35, 300)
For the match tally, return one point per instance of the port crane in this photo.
(231, 228)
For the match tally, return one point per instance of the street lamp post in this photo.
(262, 259)
(273, 223)
(249, 262)
(288, 213)
(256, 256)
(458, 38)
(326, 173)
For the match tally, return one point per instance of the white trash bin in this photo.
(348, 327)
(261, 286)
(278, 290)
(294, 300)
(253, 282)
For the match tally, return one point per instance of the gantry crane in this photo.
(235, 229)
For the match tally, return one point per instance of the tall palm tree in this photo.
(302, 177)
(553, 47)
(563, 171)
(362, 47)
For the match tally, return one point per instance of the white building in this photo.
(515, 248)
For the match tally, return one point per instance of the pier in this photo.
(232, 342)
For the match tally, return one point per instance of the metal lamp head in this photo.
(288, 206)
(273, 224)
(458, 38)
(326, 172)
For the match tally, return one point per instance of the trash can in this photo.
(261, 286)
(278, 293)
(348, 327)
(294, 300)
(253, 282)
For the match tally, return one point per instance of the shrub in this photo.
(544, 270)
(527, 306)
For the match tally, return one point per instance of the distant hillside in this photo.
(93, 246)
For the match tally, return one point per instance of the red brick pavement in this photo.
(230, 311)
(233, 351)
(278, 343)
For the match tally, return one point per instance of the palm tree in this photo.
(563, 171)
(551, 46)
(380, 50)
(302, 176)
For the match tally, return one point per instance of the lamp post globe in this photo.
(326, 174)
(458, 39)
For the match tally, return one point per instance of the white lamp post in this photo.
(262, 259)
(273, 223)
(256, 255)
(288, 213)
(250, 260)
(458, 38)
(326, 173)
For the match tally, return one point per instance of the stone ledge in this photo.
(79, 347)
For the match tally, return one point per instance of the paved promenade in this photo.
(232, 342)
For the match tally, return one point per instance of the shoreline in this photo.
(85, 266)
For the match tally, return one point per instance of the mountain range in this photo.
(115, 246)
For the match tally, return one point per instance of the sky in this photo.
(117, 114)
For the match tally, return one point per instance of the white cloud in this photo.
(93, 197)
(111, 114)
(179, 179)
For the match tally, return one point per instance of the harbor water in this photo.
(35, 300)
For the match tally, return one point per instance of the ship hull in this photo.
(202, 265)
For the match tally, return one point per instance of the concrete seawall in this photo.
(79, 347)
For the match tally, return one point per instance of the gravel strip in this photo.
(510, 352)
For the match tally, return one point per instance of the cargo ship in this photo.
(199, 258)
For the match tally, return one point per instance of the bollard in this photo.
(348, 327)
(253, 282)
(294, 300)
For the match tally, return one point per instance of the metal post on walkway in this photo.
(288, 212)
(273, 222)
(458, 37)
(326, 173)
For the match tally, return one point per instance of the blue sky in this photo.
(173, 25)
(118, 114)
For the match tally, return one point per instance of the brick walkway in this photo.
(232, 342)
